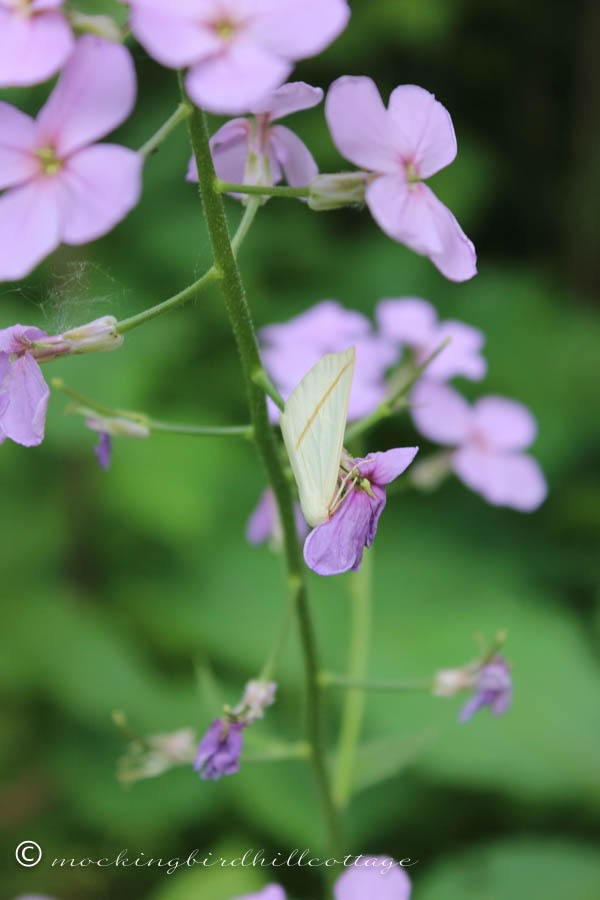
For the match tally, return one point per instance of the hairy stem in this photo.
(180, 115)
(361, 588)
(239, 315)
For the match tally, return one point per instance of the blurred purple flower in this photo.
(271, 892)
(258, 152)
(373, 878)
(380, 880)
(35, 41)
(64, 188)
(264, 525)
(401, 146)
(414, 323)
(237, 50)
(493, 689)
(490, 437)
(219, 750)
(338, 544)
(290, 349)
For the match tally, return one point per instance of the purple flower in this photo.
(63, 188)
(271, 892)
(108, 427)
(264, 525)
(23, 392)
(337, 545)
(401, 146)
(258, 152)
(219, 750)
(35, 41)
(490, 437)
(237, 50)
(290, 349)
(373, 878)
(493, 689)
(414, 323)
(369, 878)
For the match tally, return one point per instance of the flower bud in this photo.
(257, 695)
(117, 426)
(336, 190)
(101, 334)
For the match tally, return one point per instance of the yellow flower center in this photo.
(49, 161)
(225, 30)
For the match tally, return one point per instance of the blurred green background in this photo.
(116, 585)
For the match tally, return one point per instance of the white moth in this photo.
(313, 425)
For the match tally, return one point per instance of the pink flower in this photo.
(337, 545)
(264, 525)
(489, 437)
(256, 152)
(237, 50)
(291, 348)
(35, 41)
(414, 323)
(220, 749)
(63, 187)
(23, 391)
(401, 146)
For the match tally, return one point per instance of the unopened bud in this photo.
(117, 426)
(336, 190)
(448, 682)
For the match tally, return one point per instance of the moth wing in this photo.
(313, 425)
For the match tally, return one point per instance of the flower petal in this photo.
(462, 356)
(504, 423)
(375, 878)
(412, 215)
(337, 545)
(15, 338)
(381, 468)
(440, 413)
(423, 129)
(29, 228)
(24, 416)
(17, 146)
(409, 320)
(359, 124)
(95, 93)
(503, 479)
(261, 524)
(293, 155)
(175, 37)
(103, 450)
(296, 29)
(230, 146)
(32, 48)
(98, 187)
(232, 81)
(289, 98)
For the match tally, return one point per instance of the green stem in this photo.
(261, 378)
(184, 296)
(239, 315)
(226, 187)
(270, 666)
(180, 115)
(388, 407)
(244, 226)
(330, 679)
(361, 589)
